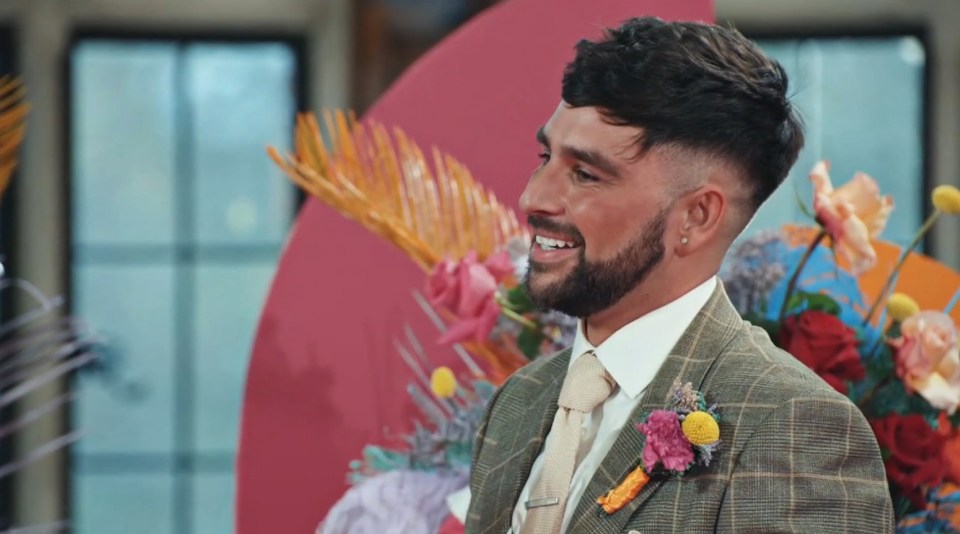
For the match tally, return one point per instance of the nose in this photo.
(542, 196)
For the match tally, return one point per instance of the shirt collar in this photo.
(633, 354)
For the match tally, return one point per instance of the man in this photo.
(668, 138)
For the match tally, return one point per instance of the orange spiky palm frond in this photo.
(13, 113)
(385, 183)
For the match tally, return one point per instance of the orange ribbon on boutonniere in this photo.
(675, 440)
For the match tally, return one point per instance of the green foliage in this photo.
(519, 301)
(880, 366)
(459, 452)
(891, 397)
(804, 301)
(529, 341)
(894, 331)
(384, 459)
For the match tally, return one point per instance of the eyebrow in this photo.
(590, 157)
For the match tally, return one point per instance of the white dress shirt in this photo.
(632, 356)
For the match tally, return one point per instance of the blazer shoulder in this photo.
(752, 364)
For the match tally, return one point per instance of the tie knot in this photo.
(587, 384)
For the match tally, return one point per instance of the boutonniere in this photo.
(674, 441)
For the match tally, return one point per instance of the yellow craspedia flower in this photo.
(901, 306)
(946, 198)
(701, 428)
(443, 383)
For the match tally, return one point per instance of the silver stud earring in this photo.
(683, 240)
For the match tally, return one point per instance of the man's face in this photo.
(597, 212)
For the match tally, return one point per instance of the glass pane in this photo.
(132, 307)
(206, 111)
(228, 303)
(862, 102)
(213, 503)
(123, 142)
(137, 503)
(241, 100)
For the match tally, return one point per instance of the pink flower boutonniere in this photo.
(675, 440)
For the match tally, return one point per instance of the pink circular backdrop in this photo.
(324, 379)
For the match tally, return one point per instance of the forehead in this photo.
(585, 127)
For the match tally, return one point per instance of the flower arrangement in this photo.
(896, 359)
(471, 247)
(473, 253)
(674, 441)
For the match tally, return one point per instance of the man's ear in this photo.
(702, 218)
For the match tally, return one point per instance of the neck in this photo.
(653, 293)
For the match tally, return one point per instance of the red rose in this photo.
(826, 345)
(916, 459)
(451, 525)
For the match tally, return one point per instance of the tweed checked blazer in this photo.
(795, 455)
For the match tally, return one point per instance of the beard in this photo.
(594, 286)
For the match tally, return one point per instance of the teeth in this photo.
(549, 243)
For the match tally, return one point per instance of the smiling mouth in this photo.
(549, 243)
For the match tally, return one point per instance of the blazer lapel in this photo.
(689, 361)
(538, 405)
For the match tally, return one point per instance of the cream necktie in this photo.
(586, 386)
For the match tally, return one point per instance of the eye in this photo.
(544, 157)
(583, 176)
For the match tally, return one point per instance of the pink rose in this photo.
(468, 290)
(665, 442)
(852, 215)
(500, 265)
(927, 359)
(442, 285)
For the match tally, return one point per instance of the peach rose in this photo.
(853, 214)
(928, 360)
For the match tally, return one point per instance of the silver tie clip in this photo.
(546, 501)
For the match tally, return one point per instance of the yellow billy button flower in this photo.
(443, 383)
(701, 428)
(901, 307)
(946, 198)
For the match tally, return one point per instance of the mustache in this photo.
(537, 222)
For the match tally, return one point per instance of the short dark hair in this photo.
(695, 86)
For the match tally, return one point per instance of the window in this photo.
(862, 101)
(178, 218)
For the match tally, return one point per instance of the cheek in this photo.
(606, 227)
